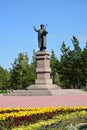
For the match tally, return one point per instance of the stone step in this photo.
(43, 87)
(30, 93)
(46, 92)
(67, 92)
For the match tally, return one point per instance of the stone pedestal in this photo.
(43, 83)
(43, 69)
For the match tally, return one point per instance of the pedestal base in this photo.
(42, 86)
(43, 90)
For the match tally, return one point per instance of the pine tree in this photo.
(84, 67)
(64, 66)
(54, 63)
(76, 63)
(70, 65)
(4, 78)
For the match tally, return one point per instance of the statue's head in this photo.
(42, 26)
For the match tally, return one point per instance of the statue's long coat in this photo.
(41, 38)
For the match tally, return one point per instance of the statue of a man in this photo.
(41, 37)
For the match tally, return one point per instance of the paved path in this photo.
(43, 101)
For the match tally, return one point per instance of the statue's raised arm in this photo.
(41, 37)
(35, 29)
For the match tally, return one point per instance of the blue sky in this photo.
(65, 18)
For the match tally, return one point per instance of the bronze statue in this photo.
(41, 37)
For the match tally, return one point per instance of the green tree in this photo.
(84, 67)
(54, 63)
(64, 66)
(76, 63)
(20, 72)
(33, 68)
(71, 65)
(4, 78)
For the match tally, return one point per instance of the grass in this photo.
(2, 91)
(5, 91)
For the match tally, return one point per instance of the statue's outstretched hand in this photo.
(34, 27)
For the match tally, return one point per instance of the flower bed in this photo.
(21, 118)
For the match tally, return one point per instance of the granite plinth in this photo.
(43, 69)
